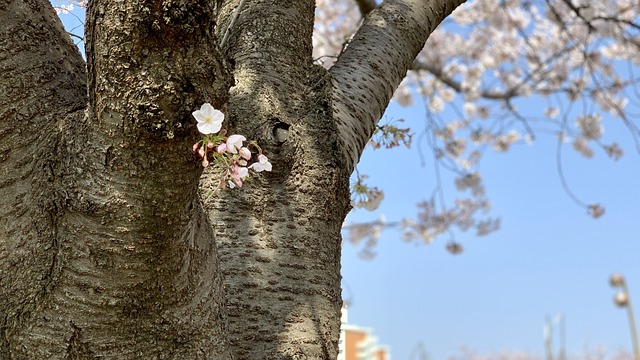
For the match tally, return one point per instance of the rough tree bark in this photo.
(112, 244)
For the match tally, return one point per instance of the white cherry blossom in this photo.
(263, 164)
(209, 119)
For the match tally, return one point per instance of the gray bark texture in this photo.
(114, 244)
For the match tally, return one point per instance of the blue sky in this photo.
(549, 257)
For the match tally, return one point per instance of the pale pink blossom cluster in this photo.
(501, 51)
(470, 181)
(370, 232)
(433, 222)
(335, 23)
(68, 6)
(433, 218)
(230, 153)
(503, 142)
(590, 127)
(578, 56)
(364, 196)
(390, 135)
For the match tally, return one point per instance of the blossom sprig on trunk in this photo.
(228, 152)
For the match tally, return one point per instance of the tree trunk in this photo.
(128, 268)
(279, 238)
(113, 242)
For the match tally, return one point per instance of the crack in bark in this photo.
(77, 349)
(51, 275)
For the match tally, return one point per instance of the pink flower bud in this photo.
(222, 148)
(195, 147)
(245, 153)
(205, 162)
(210, 145)
(201, 151)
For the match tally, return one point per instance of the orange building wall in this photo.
(382, 355)
(351, 341)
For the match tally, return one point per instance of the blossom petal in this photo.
(242, 172)
(234, 142)
(245, 153)
(263, 164)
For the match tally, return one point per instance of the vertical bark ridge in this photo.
(117, 306)
(42, 84)
(375, 62)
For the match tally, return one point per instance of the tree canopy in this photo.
(486, 62)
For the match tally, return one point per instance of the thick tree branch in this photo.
(151, 64)
(375, 62)
(366, 6)
(272, 48)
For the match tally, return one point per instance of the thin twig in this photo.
(231, 23)
(563, 179)
(81, 38)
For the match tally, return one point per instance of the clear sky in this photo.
(549, 257)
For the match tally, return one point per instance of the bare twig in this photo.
(231, 23)
(81, 38)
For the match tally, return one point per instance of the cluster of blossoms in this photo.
(67, 8)
(366, 197)
(502, 50)
(228, 152)
(368, 234)
(498, 51)
(390, 136)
